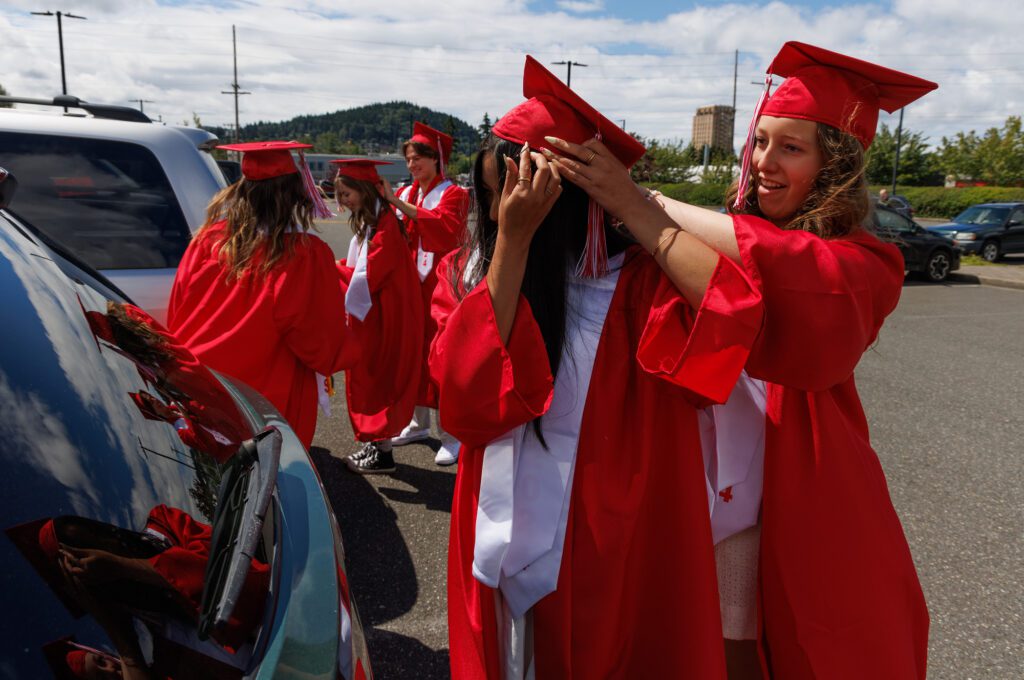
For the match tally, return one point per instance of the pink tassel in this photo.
(748, 148)
(320, 209)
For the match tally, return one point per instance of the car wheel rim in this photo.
(938, 268)
(990, 252)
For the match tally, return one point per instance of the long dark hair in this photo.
(556, 246)
(371, 206)
(837, 203)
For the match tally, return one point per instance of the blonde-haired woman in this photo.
(259, 298)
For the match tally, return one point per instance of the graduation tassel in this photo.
(593, 262)
(440, 158)
(748, 148)
(320, 209)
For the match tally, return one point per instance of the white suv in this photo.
(119, 191)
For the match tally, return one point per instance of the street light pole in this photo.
(568, 64)
(140, 102)
(60, 40)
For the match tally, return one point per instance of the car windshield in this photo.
(980, 214)
(108, 202)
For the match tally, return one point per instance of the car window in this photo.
(891, 221)
(1017, 216)
(109, 202)
(980, 214)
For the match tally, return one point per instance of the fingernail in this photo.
(526, 147)
(552, 140)
(546, 151)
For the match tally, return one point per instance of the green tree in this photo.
(918, 165)
(4, 93)
(664, 161)
(484, 128)
(997, 157)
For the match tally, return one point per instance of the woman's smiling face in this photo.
(786, 159)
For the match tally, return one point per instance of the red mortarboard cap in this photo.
(264, 160)
(75, 660)
(435, 139)
(552, 109)
(48, 539)
(360, 168)
(832, 88)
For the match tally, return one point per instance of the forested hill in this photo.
(367, 129)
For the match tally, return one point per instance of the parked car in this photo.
(232, 170)
(990, 230)
(932, 255)
(120, 191)
(156, 514)
(898, 203)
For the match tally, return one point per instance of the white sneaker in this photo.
(448, 454)
(411, 434)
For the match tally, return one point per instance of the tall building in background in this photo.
(713, 126)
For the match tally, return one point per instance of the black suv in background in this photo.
(932, 255)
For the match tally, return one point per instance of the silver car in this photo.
(121, 192)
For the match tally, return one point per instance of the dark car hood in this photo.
(952, 227)
(76, 442)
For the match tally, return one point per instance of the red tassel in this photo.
(748, 148)
(593, 262)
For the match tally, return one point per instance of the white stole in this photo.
(732, 441)
(525, 489)
(425, 258)
(357, 298)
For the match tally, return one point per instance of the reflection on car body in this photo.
(128, 464)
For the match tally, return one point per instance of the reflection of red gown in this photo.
(381, 388)
(840, 597)
(274, 332)
(439, 231)
(183, 565)
(635, 594)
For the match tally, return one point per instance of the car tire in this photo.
(938, 266)
(990, 251)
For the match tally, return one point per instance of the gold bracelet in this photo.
(672, 234)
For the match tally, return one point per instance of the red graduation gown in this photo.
(439, 231)
(274, 333)
(636, 594)
(839, 593)
(381, 388)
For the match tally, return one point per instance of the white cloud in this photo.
(581, 6)
(466, 57)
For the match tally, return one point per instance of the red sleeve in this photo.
(441, 229)
(183, 565)
(704, 352)
(485, 388)
(388, 251)
(309, 308)
(824, 300)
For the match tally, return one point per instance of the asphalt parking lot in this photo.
(942, 387)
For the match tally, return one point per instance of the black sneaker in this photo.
(361, 453)
(372, 462)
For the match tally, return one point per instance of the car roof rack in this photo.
(107, 111)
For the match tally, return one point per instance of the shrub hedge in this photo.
(927, 201)
(947, 203)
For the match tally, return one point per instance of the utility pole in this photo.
(569, 64)
(236, 89)
(60, 40)
(896, 162)
(735, 73)
(140, 102)
(623, 121)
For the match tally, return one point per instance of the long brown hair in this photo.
(371, 204)
(259, 213)
(837, 203)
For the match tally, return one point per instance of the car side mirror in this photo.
(1014, 223)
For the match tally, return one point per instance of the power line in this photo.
(236, 89)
